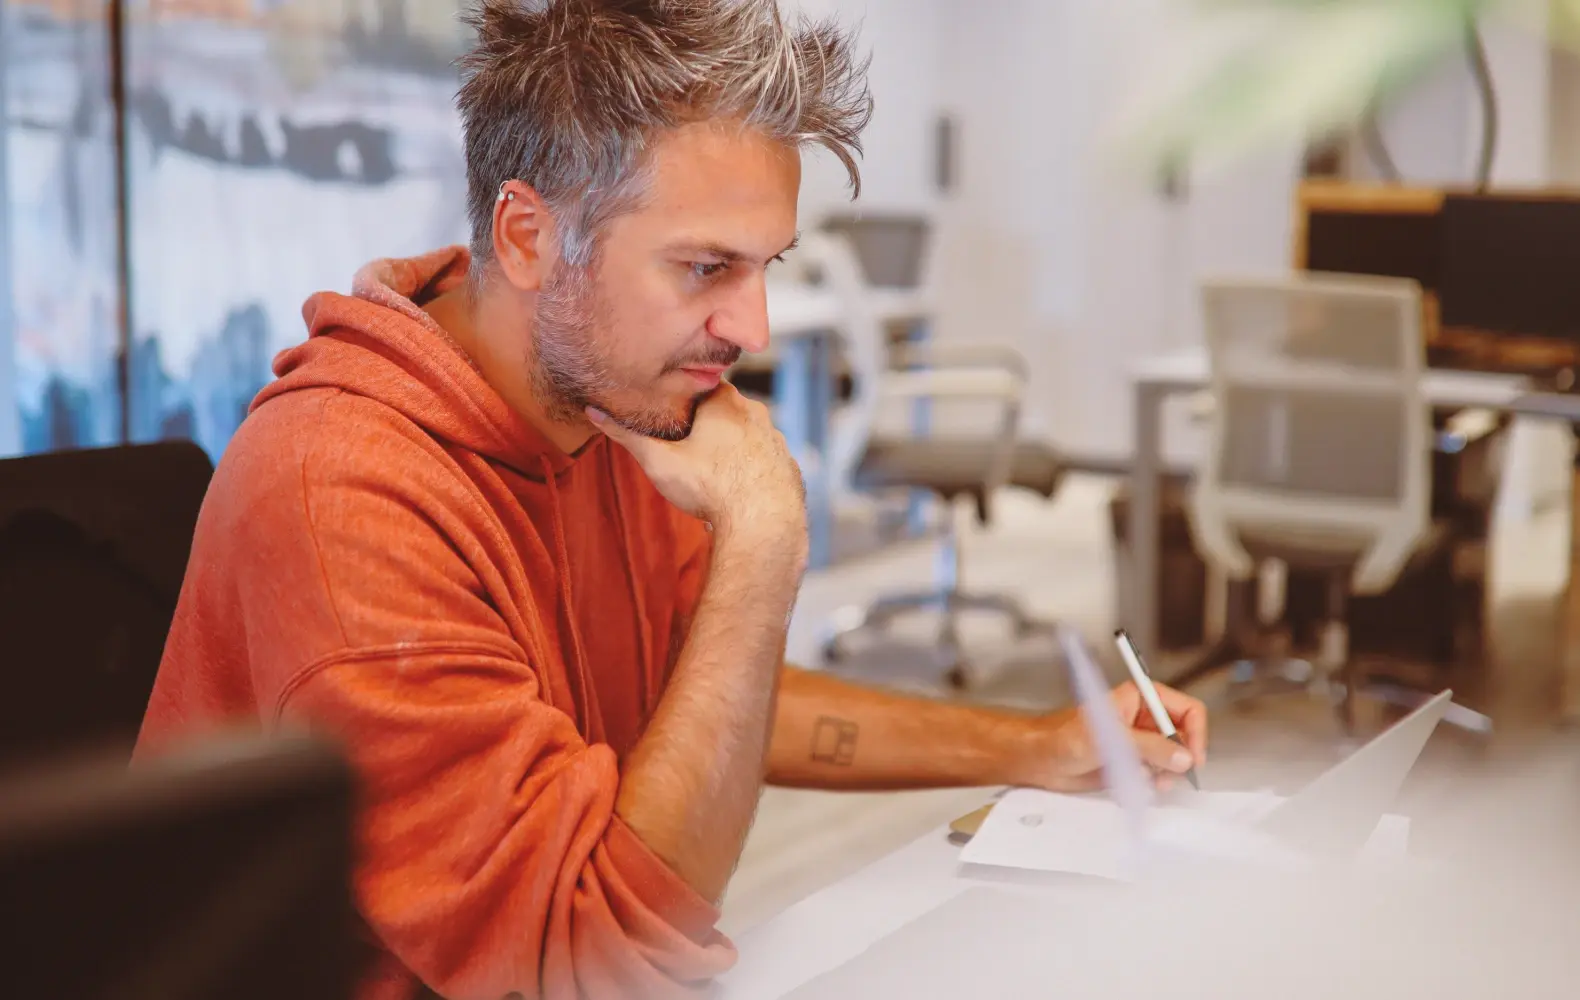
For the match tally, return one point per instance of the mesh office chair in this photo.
(1320, 451)
(950, 468)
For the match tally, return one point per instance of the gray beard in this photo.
(569, 375)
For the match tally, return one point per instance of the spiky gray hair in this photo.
(570, 96)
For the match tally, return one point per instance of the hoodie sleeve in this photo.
(490, 859)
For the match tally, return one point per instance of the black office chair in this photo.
(93, 548)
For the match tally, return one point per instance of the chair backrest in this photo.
(1321, 433)
(830, 261)
(93, 548)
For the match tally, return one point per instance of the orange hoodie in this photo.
(390, 555)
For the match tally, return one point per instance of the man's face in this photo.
(676, 290)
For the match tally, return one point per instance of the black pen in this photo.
(1149, 694)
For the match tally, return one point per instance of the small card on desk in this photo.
(964, 828)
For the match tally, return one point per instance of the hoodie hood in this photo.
(378, 342)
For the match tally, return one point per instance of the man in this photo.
(501, 529)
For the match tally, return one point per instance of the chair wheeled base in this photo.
(946, 599)
(1261, 663)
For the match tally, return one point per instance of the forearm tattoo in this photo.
(834, 741)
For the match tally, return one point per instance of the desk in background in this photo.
(1184, 372)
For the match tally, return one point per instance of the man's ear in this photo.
(523, 236)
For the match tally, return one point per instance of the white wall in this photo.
(1083, 270)
(1428, 130)
(905, 39)
(1520, 59)
(1434, 130)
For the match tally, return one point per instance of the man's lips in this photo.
(707, 376)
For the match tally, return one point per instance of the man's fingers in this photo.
(614, 431)
(1162, 753)
(1092, 781)
(726, 391)
(604, 422)
(1190, 718)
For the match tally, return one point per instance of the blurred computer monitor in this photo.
(220, 871)
(1397, 243)
(1506, 265)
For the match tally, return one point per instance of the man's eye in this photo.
(707, 270)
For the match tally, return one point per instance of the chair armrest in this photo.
(962, 356)
(1217, 544)
(952, 384)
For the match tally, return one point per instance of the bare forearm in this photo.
(829, 733)
(690, 786)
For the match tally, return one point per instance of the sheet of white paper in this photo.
(1086, 835)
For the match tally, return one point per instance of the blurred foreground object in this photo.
(1248, 73)
(221, 871)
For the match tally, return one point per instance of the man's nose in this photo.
(743, 318)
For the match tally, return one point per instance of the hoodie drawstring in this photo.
(643, 632)
(568, 598)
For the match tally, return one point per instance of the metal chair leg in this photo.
(1002, 604)
(946, 598)
(1236, 645)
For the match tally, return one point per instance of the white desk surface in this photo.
(835, 924)
(839, 922)
(1186, 370)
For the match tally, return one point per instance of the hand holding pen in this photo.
(1153, 701)
(1061, 755)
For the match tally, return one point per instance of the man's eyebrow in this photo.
(726, 253)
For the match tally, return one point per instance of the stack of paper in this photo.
(1088, 835)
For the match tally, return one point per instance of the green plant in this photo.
(1249, 72)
